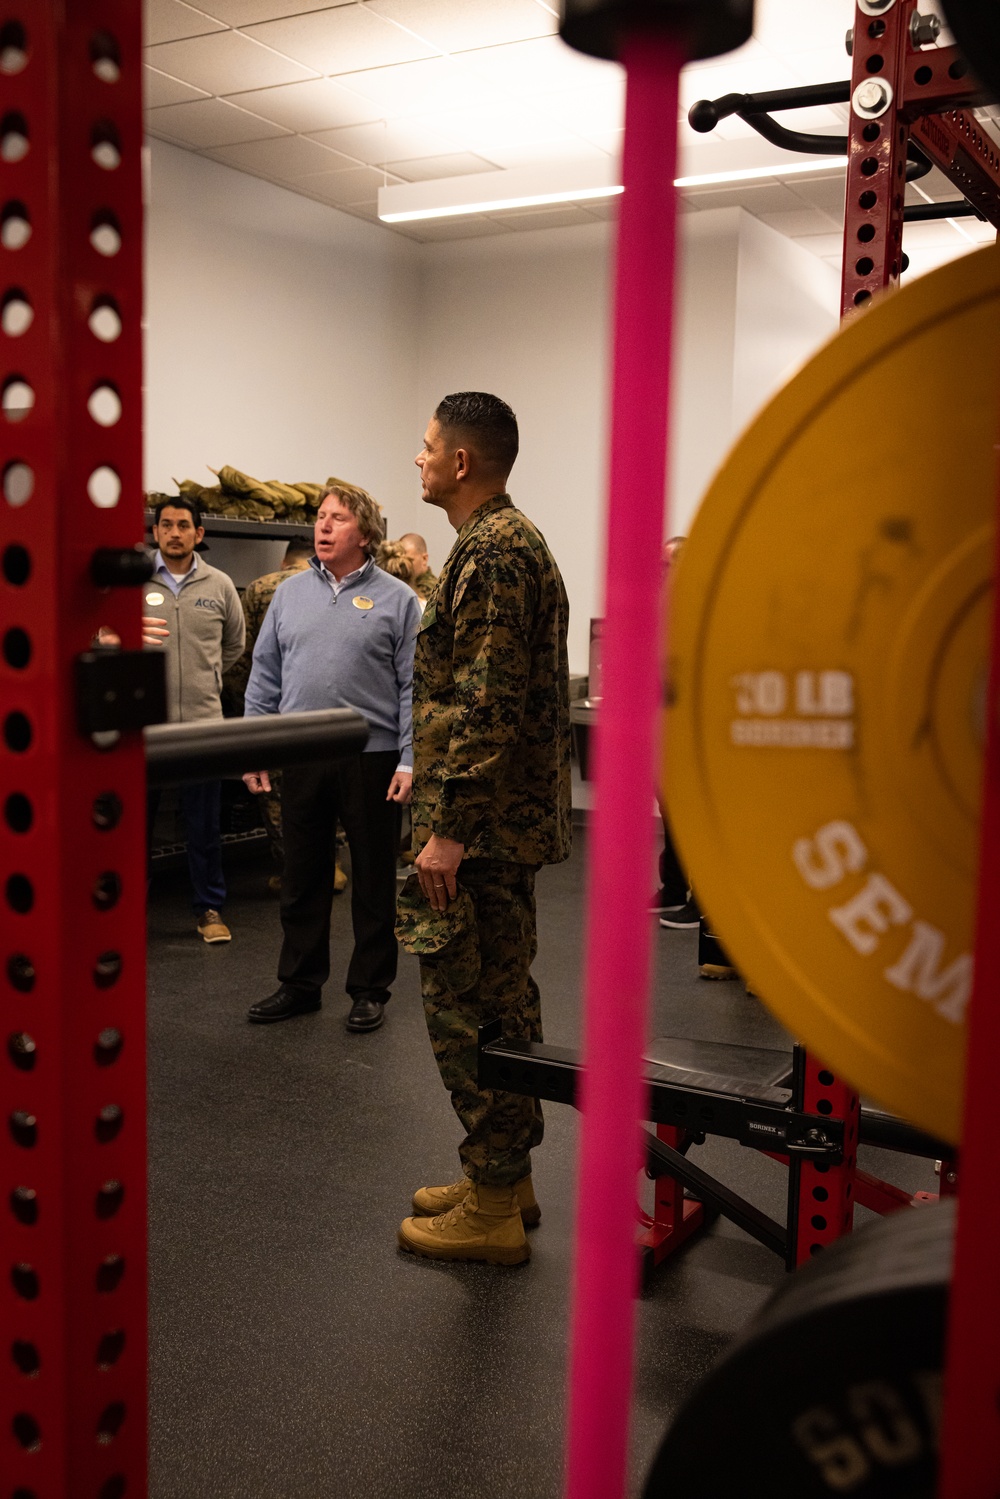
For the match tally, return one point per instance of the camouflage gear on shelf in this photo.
(501, 1128)
(491, 743)
(257, 598)
(425, 585)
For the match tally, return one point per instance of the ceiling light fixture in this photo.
(534, 187)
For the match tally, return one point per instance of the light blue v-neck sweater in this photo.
(317, 649)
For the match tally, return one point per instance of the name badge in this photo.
(154, 598)
(362, 603)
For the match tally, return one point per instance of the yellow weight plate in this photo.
(828, 654)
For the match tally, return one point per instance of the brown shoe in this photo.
(429, 1201)
(339, 879)
(486, 1225)
(274, 884)
(716, 971)
(212, 928)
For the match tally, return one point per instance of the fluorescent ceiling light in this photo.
(532, 187)
(747, 174)
(494, 205)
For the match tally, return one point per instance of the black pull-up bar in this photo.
(177, 752)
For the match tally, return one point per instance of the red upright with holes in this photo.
(72, 880)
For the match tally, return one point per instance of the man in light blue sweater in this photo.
(339, 634)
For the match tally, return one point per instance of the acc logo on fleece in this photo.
(204, 603)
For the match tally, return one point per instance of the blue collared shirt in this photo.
(162, 571)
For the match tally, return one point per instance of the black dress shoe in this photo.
(366, 1015)
(283, 1004)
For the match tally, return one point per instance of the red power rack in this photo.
(72, 846)
(901, 92)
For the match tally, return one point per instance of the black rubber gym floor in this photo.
(295, 1352)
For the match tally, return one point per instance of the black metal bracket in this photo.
(552, 1073)
(121, 567)
(118, 690)
(663, 1160)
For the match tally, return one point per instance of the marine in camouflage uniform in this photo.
(256, 601)
(425, 585)
(491, 748)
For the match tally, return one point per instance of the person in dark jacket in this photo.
(199, 609)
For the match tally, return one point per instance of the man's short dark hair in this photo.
(487, 422)
(180, 503)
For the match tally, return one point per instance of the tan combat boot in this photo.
(429, 1201)
(486, 1225)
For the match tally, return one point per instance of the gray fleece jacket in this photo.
(207, 631)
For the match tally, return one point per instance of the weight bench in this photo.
(751, 1094)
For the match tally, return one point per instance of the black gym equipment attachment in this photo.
(976, 24)
(177, 752)
(835, 1387)
(745, 1093)
(705, 28)
(756, 111)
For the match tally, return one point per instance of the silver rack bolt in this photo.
(849, 41)
(924, 29)
(875, 7)
(871, 98)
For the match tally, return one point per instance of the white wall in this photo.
(294, 342)
(524, 315)
(281, 339)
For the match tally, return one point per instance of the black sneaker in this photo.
(678, 918)
(664, 900)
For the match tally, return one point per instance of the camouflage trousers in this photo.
(501, 1128)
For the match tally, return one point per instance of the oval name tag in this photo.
(362, 603)
(154, 598)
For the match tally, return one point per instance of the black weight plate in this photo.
(835, 1388)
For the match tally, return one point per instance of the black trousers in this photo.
(200, 806)
(313, 797)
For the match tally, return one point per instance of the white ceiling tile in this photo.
(315, 104)
(428, 168)
(522, 68)
(786, 23)
(170, 20)
(287, 158)
(610, 141)
(549, 151)
(799, 221)
(829, 64)
(585, 110)
(353, 185)
(455, 25)
(343, 40)
(484, 128)
(931, 235)
(224, 62)
(824, 191)
(158, 89)
(209, 122)
(378, 143)
(756, 197)
(249, 12)
(417, 87)
(761, 73)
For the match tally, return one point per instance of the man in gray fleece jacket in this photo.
(196, 612)
(339, 634)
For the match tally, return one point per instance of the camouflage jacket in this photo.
(425, 585)
(257, 598)
(491, 744)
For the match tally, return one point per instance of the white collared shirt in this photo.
(349, 579)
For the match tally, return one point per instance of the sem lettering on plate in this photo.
(835, 852)
(799, 710)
